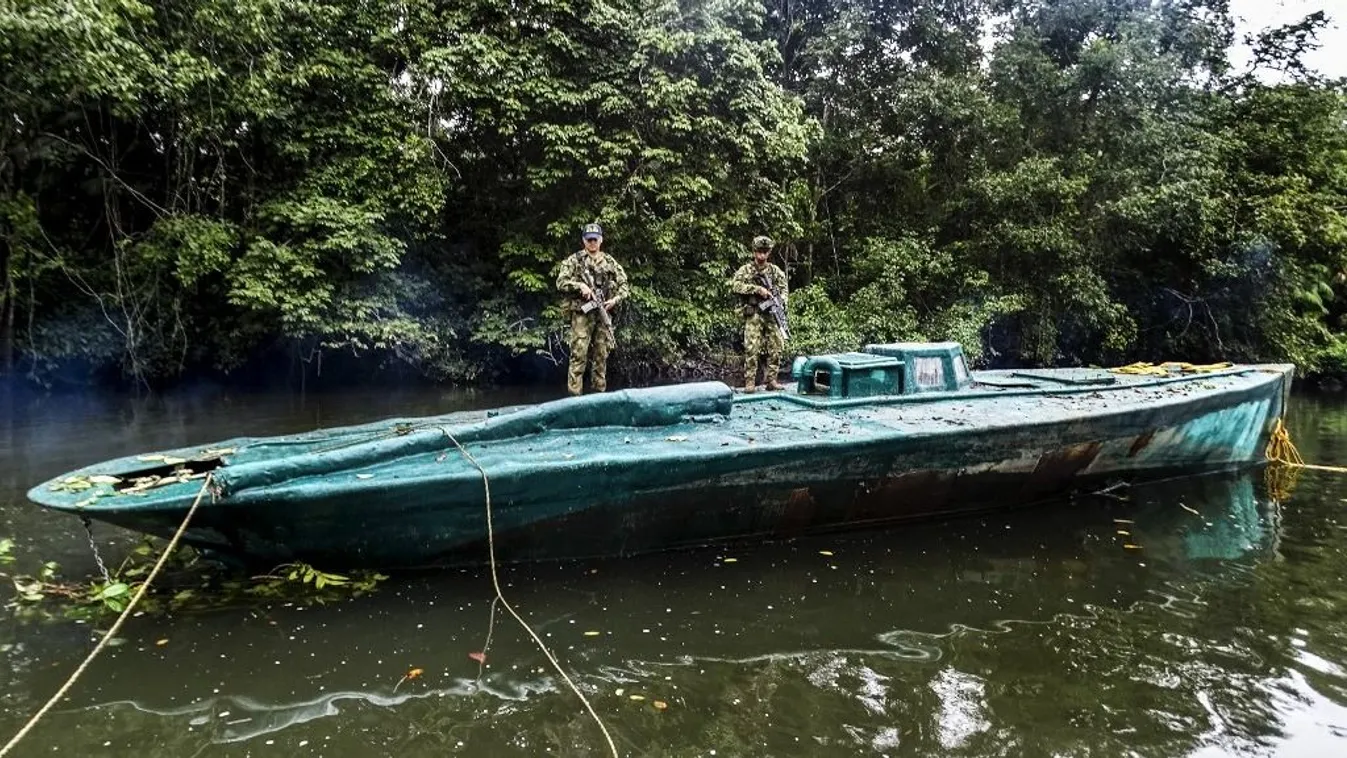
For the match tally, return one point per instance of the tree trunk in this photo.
(7, 298)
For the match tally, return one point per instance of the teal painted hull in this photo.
(664, 467)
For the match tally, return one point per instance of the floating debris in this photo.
(410, 675)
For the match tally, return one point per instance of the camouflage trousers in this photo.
(762, 338)
(590, 344)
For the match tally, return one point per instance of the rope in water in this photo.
(117, 625)
(495, 582)
(1281, 450)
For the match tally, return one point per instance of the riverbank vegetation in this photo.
(205, 186)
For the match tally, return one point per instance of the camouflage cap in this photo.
(763, 242)
(592, 230)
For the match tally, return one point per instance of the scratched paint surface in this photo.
(413, 499)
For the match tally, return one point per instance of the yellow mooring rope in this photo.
(495, 582)
(1169, 367)
(1285, 464)
(1281, 450)
(117, 625)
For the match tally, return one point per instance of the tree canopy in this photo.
(189, 186)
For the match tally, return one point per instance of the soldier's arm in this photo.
(620, 279)
(568, 279)
(742, 281)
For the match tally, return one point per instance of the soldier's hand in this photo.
(585, 291)
(609, 303)
(764, 292)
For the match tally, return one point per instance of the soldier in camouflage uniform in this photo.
(762, 336)
(581, 275)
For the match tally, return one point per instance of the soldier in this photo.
(762, 334)
(595, 284)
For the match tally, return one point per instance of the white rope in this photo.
(117, 625)
(495, 582)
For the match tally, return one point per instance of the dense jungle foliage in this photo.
(204, 185)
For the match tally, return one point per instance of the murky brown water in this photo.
(1031, 633)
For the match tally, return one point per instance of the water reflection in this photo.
(839, 615)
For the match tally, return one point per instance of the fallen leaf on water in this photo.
(730, 560)
(619, 692)
(479, 657)
(825, 552)
(1123, 521)
(162, 642)
(660, 705)
(1130, 546)
(411, 674)
(592, 633)
(638, 697)
(1124, 533)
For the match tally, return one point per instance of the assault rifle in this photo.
(596, 298)
(773, 304)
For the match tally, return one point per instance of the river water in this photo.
(1215, 626)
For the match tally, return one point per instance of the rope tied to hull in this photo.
(116, 625)
(495, 583)
(1285, 463)
(1281, 450)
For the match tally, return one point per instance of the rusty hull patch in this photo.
(910, 493)
(1140, 443)
(798, 514)
(1057, 468)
